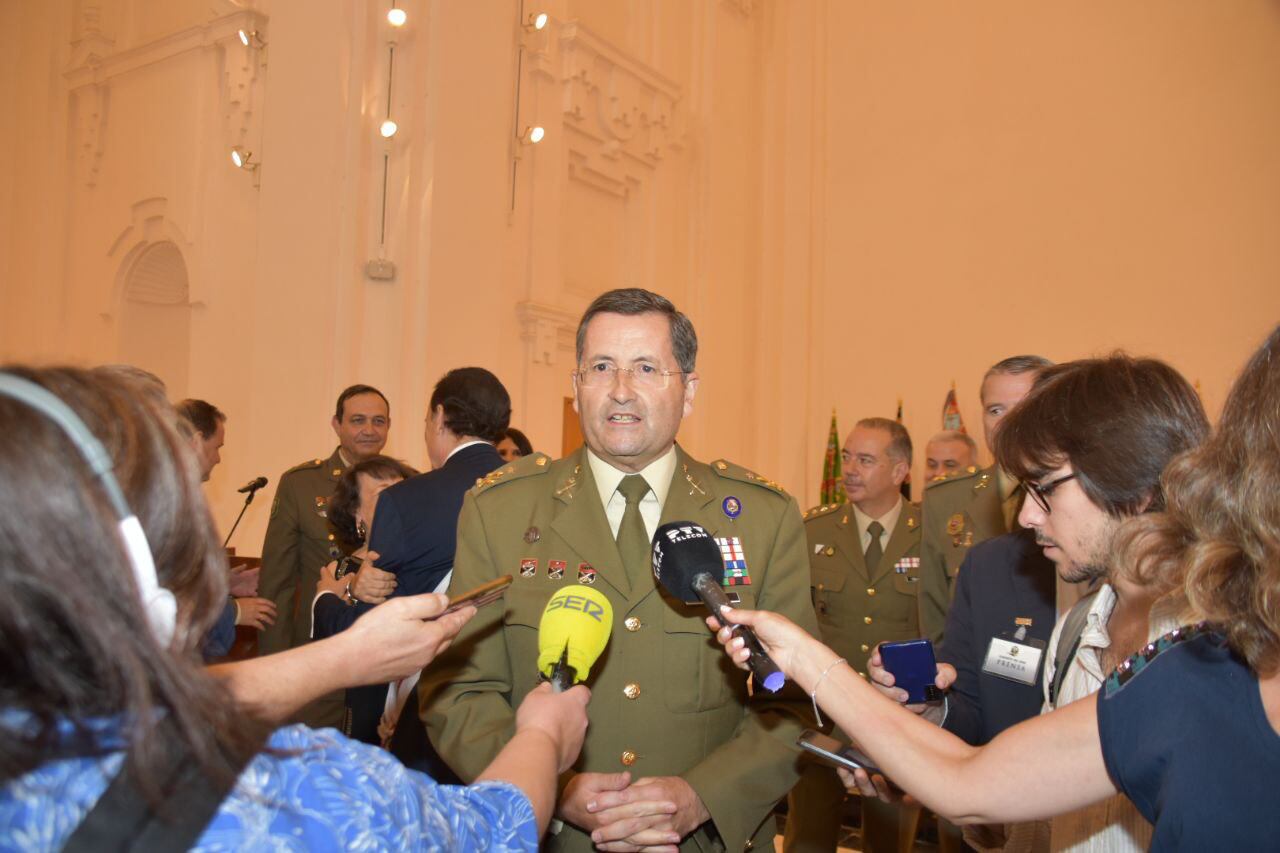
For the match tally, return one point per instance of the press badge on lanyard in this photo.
(1014, 656)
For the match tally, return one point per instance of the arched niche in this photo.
(154, 329)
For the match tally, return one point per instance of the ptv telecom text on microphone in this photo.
(573, 632)
(688, 563)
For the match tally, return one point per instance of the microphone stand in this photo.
(248, 499)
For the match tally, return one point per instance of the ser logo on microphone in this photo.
(579, 603)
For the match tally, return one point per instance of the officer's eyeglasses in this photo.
(602, 375)
(1041, 494)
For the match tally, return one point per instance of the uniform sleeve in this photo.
(741, 780)
(222, 636)
(963, 650)
(935, 589)
(280, 575)
(464, 694)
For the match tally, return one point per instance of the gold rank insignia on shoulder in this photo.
(983, 482)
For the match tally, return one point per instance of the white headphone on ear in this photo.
(160, 605)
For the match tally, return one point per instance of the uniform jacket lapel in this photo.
(849, 541)
(905, 536)
(582, 524)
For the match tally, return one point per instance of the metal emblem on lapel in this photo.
(528, 567)
(955, 524)
(532, 535)
(732, 507)
(555, 569)
(586, 574)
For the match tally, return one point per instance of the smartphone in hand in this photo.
(486, 593)
(914, 669)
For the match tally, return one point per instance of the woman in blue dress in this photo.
(113, 729)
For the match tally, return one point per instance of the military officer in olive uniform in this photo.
(676, 751)
(865, 576)
(962, 510)
(299, 540)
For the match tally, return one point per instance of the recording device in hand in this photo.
(833, 752)
(348, 565)
(688, 564)
(573, 632)
(485, 593)
(914, 669)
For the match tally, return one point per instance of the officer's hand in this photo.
(654, 813)
(243, 581)
(255, 612)
(883, 681)
(400, 637)
(372, 585)
(583, 789)
(561, 716)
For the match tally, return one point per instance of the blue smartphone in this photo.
(914, 669)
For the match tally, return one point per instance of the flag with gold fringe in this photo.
(832, 479)
(951, 411)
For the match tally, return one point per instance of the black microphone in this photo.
(249, 490)
(688, 564)
(252, 486)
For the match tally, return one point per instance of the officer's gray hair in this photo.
(634, 300)
(1016, 364)
(899, 439)
(957, 435)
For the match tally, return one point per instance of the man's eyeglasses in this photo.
(602, 374)
(1041, 494)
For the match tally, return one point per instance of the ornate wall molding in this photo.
(742, 7)
(547, 329)
(623, 112)
(149, 225)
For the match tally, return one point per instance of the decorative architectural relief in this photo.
(95, 64)
(547, 329)
(153, 237)
(742, 7)
(623, 111)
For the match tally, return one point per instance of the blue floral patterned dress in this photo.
(328, 793)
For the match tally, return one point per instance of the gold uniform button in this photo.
(337, 472)
(632, 623)
(866, 619)
(871, 590)
(748, 845)
(628, 758)
(865, 647)
(631, 691)
(330, 537)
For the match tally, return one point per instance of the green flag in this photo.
(832, 480)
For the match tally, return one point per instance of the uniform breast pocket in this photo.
(697, 675)
(825, 586)
(907, 583)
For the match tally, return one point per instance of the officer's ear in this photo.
(690, 389)
(900, 471)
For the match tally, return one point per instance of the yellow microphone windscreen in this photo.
(577, 618)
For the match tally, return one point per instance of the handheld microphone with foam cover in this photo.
(688, 564)
(573, 632)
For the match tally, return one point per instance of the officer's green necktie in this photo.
(874, 551)
(633, 541)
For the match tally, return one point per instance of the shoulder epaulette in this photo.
(736, 472)
(528, 466)
(956, 477)
(819, 511)
(309, 465)
(1140, 660)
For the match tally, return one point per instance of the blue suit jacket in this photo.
(415, 532)
(1000, 580)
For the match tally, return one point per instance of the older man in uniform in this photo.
(677, 751)
(949, 453)
(299, 540)
(865, 562)
(973, 506)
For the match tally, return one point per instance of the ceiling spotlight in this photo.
(533, 135)
(251, 38)
(397, 17)
(388, 129)
(241, 158)
(537, 21)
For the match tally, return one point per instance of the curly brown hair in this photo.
(1215, 551)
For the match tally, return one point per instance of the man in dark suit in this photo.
(415, 527)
